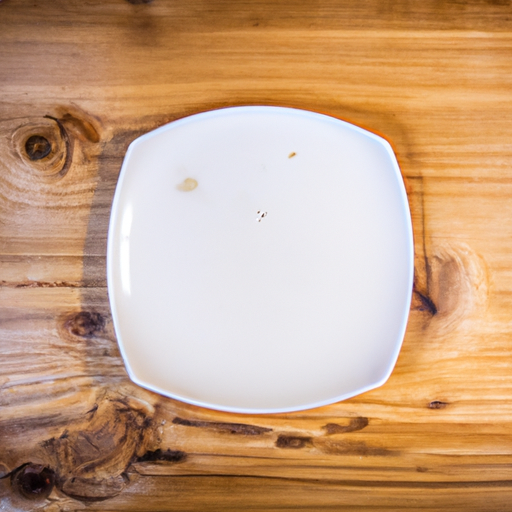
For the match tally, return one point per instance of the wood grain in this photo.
(434, 78)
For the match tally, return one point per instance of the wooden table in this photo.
(80, 80)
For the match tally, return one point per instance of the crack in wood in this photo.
(224, 427)
(41, 284)
(426, 302)
(162, 456)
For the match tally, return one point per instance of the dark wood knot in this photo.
(355, 424)
(436, 404)
(44, 147)
(37, 147)
(85, 324)
(292, 442)
(33, 481)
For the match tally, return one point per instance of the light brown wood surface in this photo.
(434, 78)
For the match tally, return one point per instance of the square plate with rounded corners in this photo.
(260, 259)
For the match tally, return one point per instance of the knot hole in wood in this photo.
(43, 146)
(37, 147)
(33, 481)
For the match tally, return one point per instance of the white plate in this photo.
(260, 259)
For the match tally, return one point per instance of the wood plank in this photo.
(433, 78)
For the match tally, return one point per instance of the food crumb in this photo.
(261, 215)
(292, 154)
(187, 185)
